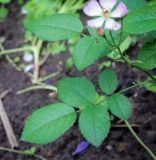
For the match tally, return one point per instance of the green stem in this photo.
(123, 46)
(109, 44)
(112, 38)
(10, 51)
(136, 85)
(146, 72)
(121, 32)
(1, 47)
(36, 51)
(140, 141)
(38, 87)
(135, 66)
(13, 64)
(42, 79)
(128, 61)
(64, 7)
(21, 152)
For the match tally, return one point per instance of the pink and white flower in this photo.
(105, 14)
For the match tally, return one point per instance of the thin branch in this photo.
(122, 91)
(140, 141)
(21, 152)
(121, 32)
(128, 61)
(7, 125)
(48, 77)
(36, 51)
(136, 85)
(38, 87)
(10, 51)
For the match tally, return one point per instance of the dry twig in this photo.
(6, 123)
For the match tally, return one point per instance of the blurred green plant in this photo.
(45, 8)
(77, 96)
(3, 10)
(4, 1)
(34, 45)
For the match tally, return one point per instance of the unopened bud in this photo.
(101, 31)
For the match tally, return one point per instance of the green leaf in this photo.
(93, 32)
(134, 4)
(147, 56)
(150, 86)
(108, 81)
(3, 13)
(56, 27)
(94, 124)
(77, 92)
(4, 1)
(120, 106)
(141, 20)
(30, 151)
(147, 37)
(152, 2)
(116, 35)
(87, 51)
(48, 123)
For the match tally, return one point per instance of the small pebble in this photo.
(109, 147)
(28, 57)
(28, 68)
(24, 11)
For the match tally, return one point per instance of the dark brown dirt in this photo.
(120, 144)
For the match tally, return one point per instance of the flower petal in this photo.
(111, 24)
(96, 23)
(92, 8)
(108, 4)
(81, 148)
(120, 11)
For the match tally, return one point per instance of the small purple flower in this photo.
(105, 13)
(81, 148)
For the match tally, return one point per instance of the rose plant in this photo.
(112, 28)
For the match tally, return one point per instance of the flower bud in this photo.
(100, 31)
